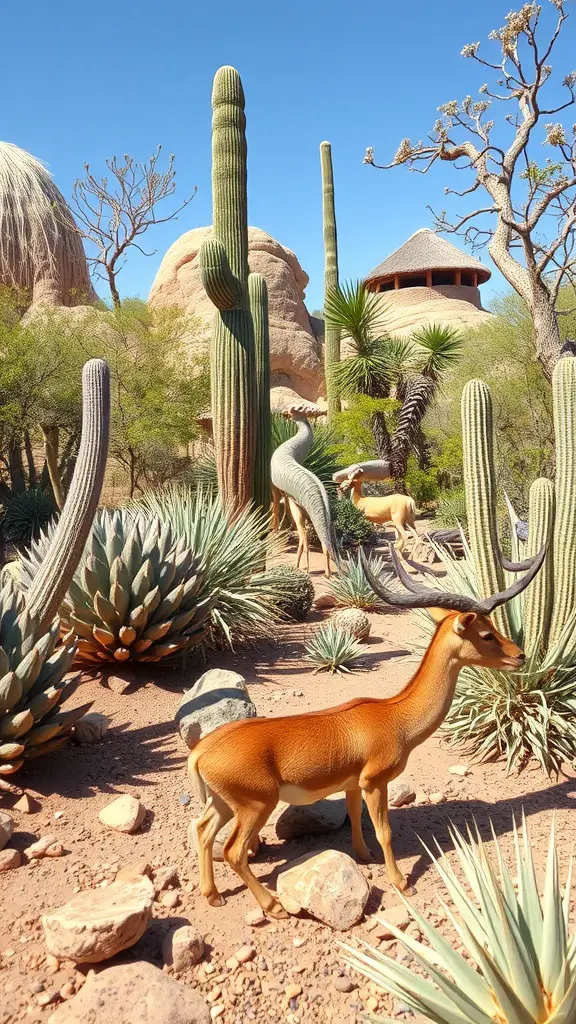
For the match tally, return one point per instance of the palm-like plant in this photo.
(520, 965)
(333, 649)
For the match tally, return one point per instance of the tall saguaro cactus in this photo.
(564, 400)
(332, 334)
(225, 276)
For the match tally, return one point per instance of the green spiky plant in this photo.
(333, 649)
(134, 596)
(332, 332)
(519, 965)
(351, 588)
(240, 301)
(530, 713)
(26, 515)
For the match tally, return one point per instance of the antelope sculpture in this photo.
(397, 510)
(244, 768)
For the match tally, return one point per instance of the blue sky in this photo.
(84, 81)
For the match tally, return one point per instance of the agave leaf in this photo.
(169, 604)
(127, 635)
(106, 610)
(554, 948)
(10, 691)
(138, 617)
(11, 751)
(42, 703)
(46, 748)
(565, 1012)
(120, 600)
(15, 725)
(4, 663)
(142, 582)
(157, 630)
(167, 574)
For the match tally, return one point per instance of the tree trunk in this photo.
(32, 475)
(16, 467)
(546, 330)
(113, 289)
(381, 435)
(50, 435)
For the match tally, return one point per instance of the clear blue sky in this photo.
(81, 82)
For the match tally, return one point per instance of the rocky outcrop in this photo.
(407, 309)
(296, 359)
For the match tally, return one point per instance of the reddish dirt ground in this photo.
(143, 755)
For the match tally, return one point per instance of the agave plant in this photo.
(332, 649)
(520, 961)
(244, 595)
(32, 684)
(136, 593)
(351, 588)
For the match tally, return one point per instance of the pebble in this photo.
(255, 918)
(217, 1011)
(184, 799)
(293, 991)
(67, 990)
(343, 984)
(461, 770)
(245, 953)
(372, 1004)
(36, 988)
(46, 998)
(437, 798)
(232, 963)
(10, 859)
(170, 899)
(52, 963)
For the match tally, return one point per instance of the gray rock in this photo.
(312, 819)
(218, 696)
(6, 829)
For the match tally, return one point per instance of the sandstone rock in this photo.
(165, 877)
(99, 923)
(324, 601)
(343, 984)
(169, 899)
(438, 798)
(400, 792)
(461, 770)
(133, 994)
(54, 850)
(118, 684)
(244, 954)
(329, 886)
(255, 918)
(218, 696)
(295, 351)
(9, 859)
(182, 948)
(6, 829)
(396, 915)
(124, 814)
(27, 805)
(91, 728)
(38, 849)
(312, 819)
(134, 872)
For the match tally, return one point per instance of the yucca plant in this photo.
(32, 684)
(136, 593)
(332, 649)
(351, 588)
(26, 515)
(520, 959)
(233, 550)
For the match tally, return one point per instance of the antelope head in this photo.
(470, 633)
(354, 473)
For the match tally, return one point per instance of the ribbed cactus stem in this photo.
(258, 292)
(224, 273)
(480, 488)
(50, 584)
(332, 334)
(564, 401)
(539, 595)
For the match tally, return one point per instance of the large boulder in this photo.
(133, 994)
(295, 350)
(217, 697)
(99, 923)
(328, 885)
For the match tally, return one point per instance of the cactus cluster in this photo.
(134, 596)
(239, 350)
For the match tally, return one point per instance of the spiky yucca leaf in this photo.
(520, 965)
(32, 684)
(333, 649)
(136, 593)
(351, 588)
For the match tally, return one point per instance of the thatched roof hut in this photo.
(41, 250)
(425, 261)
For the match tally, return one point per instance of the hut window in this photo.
(443, 277)
(386, 286)
(468, 278)
(412, 282)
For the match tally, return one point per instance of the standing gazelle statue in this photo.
(244, 768)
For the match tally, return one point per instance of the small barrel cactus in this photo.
(32, 684)
(296, 591)
(134, 595)
(354, 621)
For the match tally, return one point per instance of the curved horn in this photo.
(516, 566)
(401, 573)
(426, 570)
(425, 598)
(486, 606)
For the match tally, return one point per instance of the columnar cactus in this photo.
(332, 334)
(480, 486)
(54, 575)
(258, 292)
(225, 276)
(538, 597)
(564, 399)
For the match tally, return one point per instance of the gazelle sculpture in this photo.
(244, 768)
(395, 510)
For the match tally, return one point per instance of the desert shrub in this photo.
(332, 649)
(422, 484)
(351, 588)
(296, 591)
(25, 516)
(451, 509)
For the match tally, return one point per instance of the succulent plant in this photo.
(134, 596)
(26, 515)
(296, 591)
(519, 964)
(32, 684)
(351, 588)
(353, 621)
(332, 649)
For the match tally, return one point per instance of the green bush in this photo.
(26, 515)
(422, 484)
(350, 523)
(451, 510)
(296, 591)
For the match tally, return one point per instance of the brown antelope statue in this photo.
(244, 768)
(397, 510)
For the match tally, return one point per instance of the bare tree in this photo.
(112, 215)
(528, 222)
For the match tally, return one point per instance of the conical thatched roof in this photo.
(41, 250)
(425, 250)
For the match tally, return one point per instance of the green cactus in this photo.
(258, 292)
(538, 597)
(480, 486)
(564, 399)
(332, 334)
(225, 275)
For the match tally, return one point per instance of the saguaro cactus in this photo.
(564, 399)
(225, 276)
(538, 598)
(258, 292)
(332, 334)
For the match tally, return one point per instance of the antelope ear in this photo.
(438, 614)
(461, 622)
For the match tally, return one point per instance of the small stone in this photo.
(182, 948)
(124, 814)
(325, 601)
(165, 877)
(38, 849)
(67, 990)
(245, 953)
(133, 872)
(217, 1011)
(184, 799)
(438, 798)
(209, 968)
(6, 829)
(461, 770)
(37, 987)
(45, 998)
(232, 963)
(118, 685)
(397, 916)
(91, 728)
(27, 805)
(52, 963)
(54, 850)
(170, 899)
(343, 984)
(9, 859)
(255, 917)
(58, 815)
(421, 798)
(328, 885)
(293, 991)
(400, 793)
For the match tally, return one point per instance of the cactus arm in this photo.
(299, 483)
(564, 401)
(229, 176)
(332, 335)
(539, 595)
(258, 294)
(220, 285)
(50, 584)
(480, 488)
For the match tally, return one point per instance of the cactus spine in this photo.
(538, 597)
(332, 335)
(225, 276)
(258, 292)
(564, 400)
(480, 487)
(50, 584)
